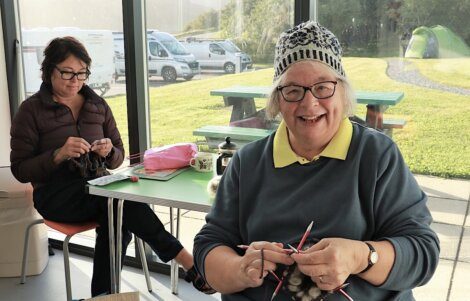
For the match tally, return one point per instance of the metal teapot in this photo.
(226, 151)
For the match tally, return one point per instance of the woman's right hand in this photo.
(74, 147)
(251, 268)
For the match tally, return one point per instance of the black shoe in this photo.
(198, 282)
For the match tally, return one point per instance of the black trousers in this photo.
(66, 201)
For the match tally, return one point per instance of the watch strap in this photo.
(369, 262)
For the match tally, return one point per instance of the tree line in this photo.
(364, 27)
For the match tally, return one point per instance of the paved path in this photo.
(399, 70)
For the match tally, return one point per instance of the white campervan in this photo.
(218, 54)
(99, 44)
(166, 57)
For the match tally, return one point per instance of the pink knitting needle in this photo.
(304, 238)
(341, 290)
(299, 248)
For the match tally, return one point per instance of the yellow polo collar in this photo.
(337, 148)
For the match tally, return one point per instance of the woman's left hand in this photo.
(330, 261)
(102, 147)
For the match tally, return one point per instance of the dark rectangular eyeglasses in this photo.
(321, 90)
(69, 75)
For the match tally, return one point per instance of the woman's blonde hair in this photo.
(349, 100)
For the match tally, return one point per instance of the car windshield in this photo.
(230, 47)
(175, 47)
(171, 43)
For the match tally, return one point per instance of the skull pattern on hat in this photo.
(308, 41)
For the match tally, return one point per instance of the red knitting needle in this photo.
(299, 248)
(341, 290)
(304, 238)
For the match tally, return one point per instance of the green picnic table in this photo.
(242, 100)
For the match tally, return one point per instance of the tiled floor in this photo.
(449, 204)
(50, 285)
(448, 201)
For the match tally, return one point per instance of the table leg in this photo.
(242, 107)
(175, 267)
(249, 107)
(112, 252)
(237, 113)
(174, 264)
(120, 206)
(143, 259)
(374, 116)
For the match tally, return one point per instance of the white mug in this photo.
(202, 162)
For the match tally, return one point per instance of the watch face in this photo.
(374, 257)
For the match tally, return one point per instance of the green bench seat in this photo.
(216, 134)
(393, 123)
(388, 124)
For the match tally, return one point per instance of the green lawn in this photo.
(452, 72)
(435, 140)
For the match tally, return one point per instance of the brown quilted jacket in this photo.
(42, 125)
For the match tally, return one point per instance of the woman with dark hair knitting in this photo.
(371, 237)
(52, 133)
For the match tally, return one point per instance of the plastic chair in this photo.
(70, 229)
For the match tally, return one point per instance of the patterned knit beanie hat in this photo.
(307, 41)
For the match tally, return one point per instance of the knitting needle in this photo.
(340, 289)
(293, 249)
(299, 247)
(304, 238)
(344, 285)
(244, 247)
(98, 142)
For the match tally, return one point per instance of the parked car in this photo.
(98, 43)
(218, 54)
(166, 57)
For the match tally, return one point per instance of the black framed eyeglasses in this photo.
(321, 90)
(69, 75)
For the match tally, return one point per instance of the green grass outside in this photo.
(452, 72)
(435, 140)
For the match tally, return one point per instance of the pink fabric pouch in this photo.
(169, 156)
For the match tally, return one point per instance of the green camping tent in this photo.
(436, 42)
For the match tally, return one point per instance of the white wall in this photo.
(5, 120)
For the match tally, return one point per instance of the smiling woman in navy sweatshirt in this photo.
(371, 224)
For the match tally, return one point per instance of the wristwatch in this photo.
(372, 259)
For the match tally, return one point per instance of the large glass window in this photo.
(226, 43)
(419, 48)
